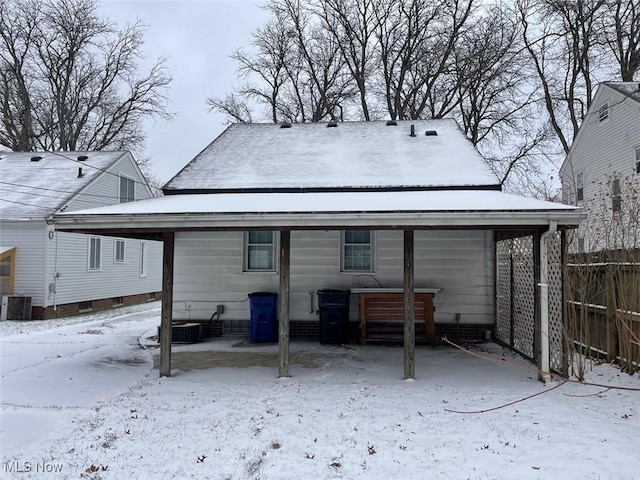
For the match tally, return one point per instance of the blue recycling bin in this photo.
(264, 320)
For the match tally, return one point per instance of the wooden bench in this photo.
(382, 316)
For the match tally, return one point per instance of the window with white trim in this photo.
(95, 253)
(580, 244)
(357, 251)
(616, 196)
(143, 258)
(579, 188)
(603, 112)
(118, 250)
(127, 190)
(260, 251)
(638, 160)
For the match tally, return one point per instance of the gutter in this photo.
(544, 371)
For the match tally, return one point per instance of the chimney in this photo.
(80, 174)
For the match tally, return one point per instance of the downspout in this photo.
(544, 371)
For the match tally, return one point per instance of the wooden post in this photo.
(283, 304)
(409, 313)
(611, 324)
(167, 303)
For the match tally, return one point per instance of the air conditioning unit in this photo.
(185, 332)
(15, 307)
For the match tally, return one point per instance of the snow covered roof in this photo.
(375, 208)
(35, 184)
(314, 156)
(630, 89)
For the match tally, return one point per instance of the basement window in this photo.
(117, 302)
(84, 307)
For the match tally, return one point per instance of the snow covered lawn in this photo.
(80, 399)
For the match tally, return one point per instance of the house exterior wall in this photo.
(30, 238)
(602, 151)
(208, 272)
(74, 282)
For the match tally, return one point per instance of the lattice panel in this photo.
(523, 296)
(556, 325)
(503, 291)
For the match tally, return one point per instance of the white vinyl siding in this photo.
(119, 250)
(95, 253)
(357, 251)
(76, 284)
(260, 251)
(462, 263)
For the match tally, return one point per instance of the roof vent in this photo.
(332, 123)
(36, 159)
(431, 133)
(82, 158)
(413, 131)
(285, 125)
(391, 123)
(80, 174)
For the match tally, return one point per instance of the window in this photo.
(85, 306)
(260, 251)
(638, 160)
(117, 302)
(7, 257)
(151, 296)
(579, 187)
(127, 190)
(616, 197)
(357, 251)
(603, 112)
(95, 252)
(580, 244)
(118, 251)
(143, 258)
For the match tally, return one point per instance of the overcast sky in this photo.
(197, 37)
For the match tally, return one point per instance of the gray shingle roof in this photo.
(35, 189)
(630, 89)
(359, 155)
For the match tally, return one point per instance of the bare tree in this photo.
(70, 79)
(622, 35)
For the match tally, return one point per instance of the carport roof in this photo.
(460, 208)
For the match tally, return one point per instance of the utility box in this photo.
(15, 307)
(264, 320)
(334, 316)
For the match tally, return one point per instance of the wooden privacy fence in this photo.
(603, 310)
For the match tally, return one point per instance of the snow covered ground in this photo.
(80, 399)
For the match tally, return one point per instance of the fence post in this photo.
(612, 331)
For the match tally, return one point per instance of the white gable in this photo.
(350, 155)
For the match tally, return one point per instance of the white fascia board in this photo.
(569, 218)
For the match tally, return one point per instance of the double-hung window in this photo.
(357, 251)
(260, 251)
(637, 160)
(95, 253)
(118, 250)
(579, 188)
(127, 190)
(616, 196)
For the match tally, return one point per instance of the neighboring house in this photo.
(365, 206)
(602, 170)
(67, 273)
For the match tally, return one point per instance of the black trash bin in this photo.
(264, 324)
(334, 316)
